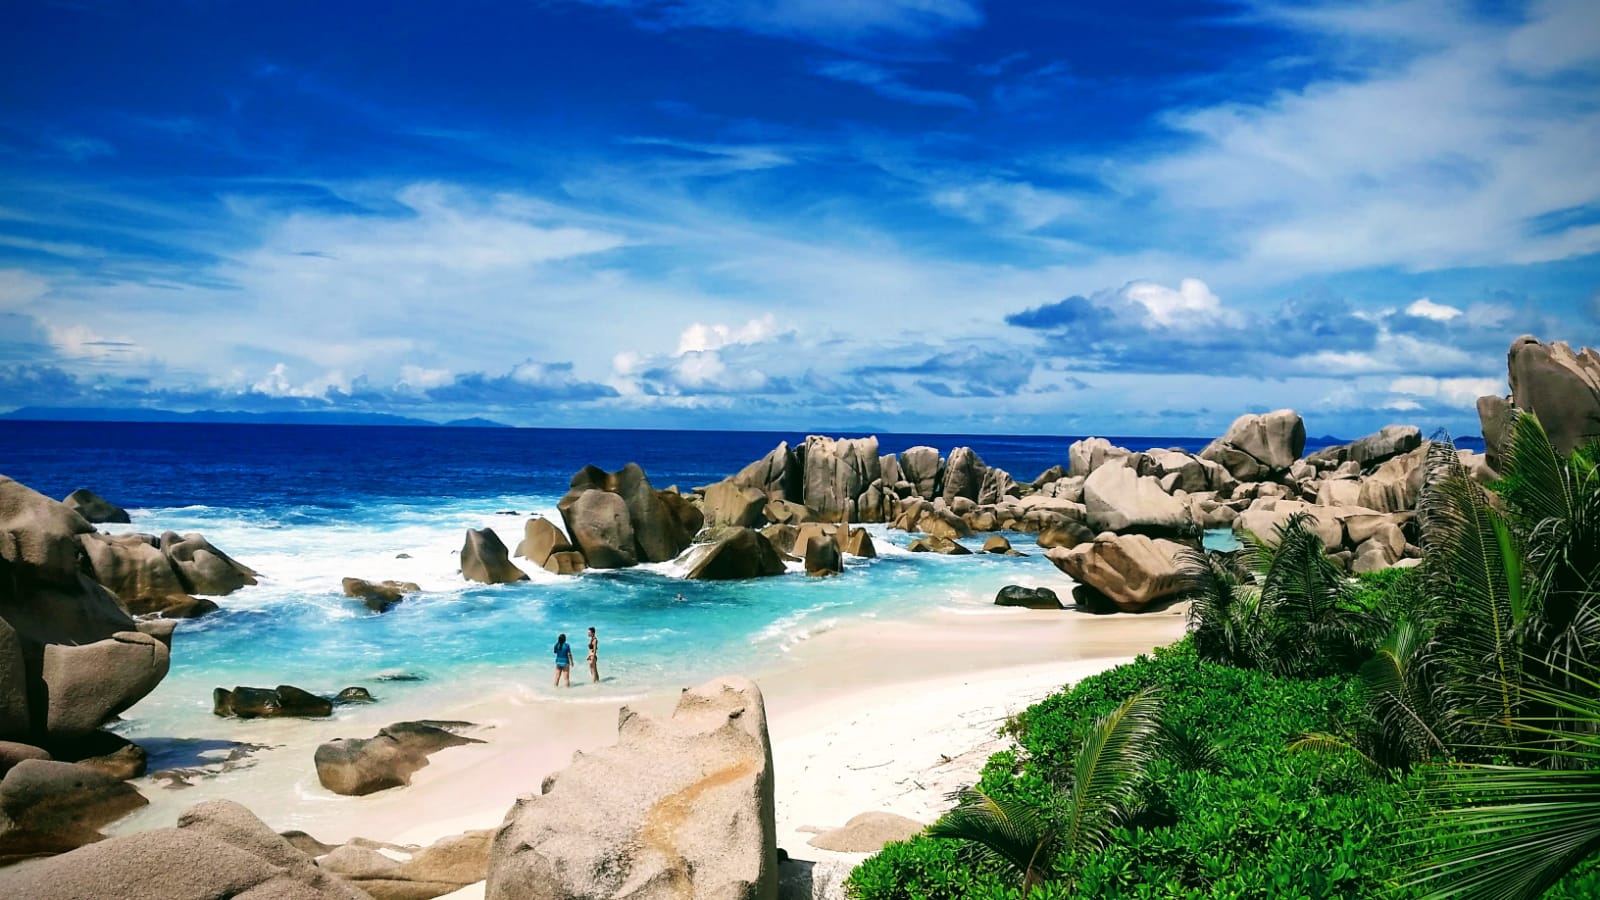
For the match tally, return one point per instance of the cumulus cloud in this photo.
(1425, 308)
(1147, 327)
(701, 336)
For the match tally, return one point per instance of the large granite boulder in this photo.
(728, 502)
(484, 559)
(95, 508)
(1119, 499)
(822, 557)
(202, 568)
(449, 864)
(259, 703)
(1383, 445)
(133, 567)
(599, 525)
(48, 806)
(1397, 484)
(677, 809)
(1258, 446)
(359, 766)
(730, 554)
(87, 684)
(379, 596)
(618, 519)
(542, 539)
(837, 472)
(1560, 386)
(778, 475)
(964, 472)
(920, 467)
(1131, 570)
(219, 851)
(1089, 454)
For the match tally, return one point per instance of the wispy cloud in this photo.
(889, 82)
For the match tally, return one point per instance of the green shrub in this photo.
(1260, 822)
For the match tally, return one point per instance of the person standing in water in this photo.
(594, 656)
(563, 652)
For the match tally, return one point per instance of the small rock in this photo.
(1032, 598)
(935, 544)
(283, 700)
(354, 695)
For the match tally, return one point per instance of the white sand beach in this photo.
(872, 716)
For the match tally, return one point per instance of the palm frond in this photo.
(1322, 742)
(1108, 770)
(1013, 831)
(1399, 699)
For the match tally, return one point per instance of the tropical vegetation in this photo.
(1432, 732)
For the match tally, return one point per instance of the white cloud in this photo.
(1168, 307)
(1425, 308)
(825, 21)
(80, 342)
(18, 288)
(1448, 156)
(889, 83)
(421, 379)
(1461, 392)
(700, 336)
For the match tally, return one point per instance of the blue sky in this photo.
(912, 215)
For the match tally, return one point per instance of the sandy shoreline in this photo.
(873, 715)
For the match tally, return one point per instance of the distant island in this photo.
(233, 417)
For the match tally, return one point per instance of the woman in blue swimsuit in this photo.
(563, 661)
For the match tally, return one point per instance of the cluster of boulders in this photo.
(729, 530)
(73, 656)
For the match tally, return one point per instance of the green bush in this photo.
(1261, 822)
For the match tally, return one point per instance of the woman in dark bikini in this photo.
(594, 656)
(563, 652)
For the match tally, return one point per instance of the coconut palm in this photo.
(1512, 831)
(1295, 615)
(1107, 772)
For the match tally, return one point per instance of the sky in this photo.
(961, 216)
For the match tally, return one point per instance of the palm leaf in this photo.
(1322, 742)
(1013, 831)
(1108, 771)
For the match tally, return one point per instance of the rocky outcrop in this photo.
(52, 807)
(618, 519)
(95, 508)
(681, 808)
(202, 568)
(484, 559)
(545, 545)
(778, 475)
(1559, 385)
(919, 467)
(821, 556)
(1260, 446)
(1118, 499)
(936, 544)
(283, 700)
(1087, 455)
(1030, 598)
(731, 554)
(837, 472)
(84, 685)
(447, 865)
(359, 766)
(379, 596)
(218, 851)
(1131, 570)
(964, 472)
(729, 503)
